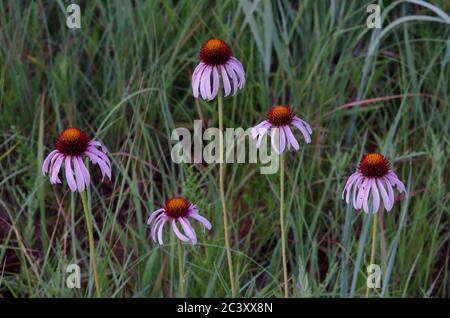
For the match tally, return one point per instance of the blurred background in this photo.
(124, 77)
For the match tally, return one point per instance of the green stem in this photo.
(222, 195)
(87, 216)
(180, 269)
(374, 245)
(283, 234)
(383, 243)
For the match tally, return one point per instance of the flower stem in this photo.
(87, 215)
(222, 195)
(180, 269)
(374, 245)
(283, 235)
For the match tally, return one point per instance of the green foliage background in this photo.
(124, 77)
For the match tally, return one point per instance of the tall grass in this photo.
(124, 77)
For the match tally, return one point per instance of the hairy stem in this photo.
(222, 195)
(374, 245)
(282, 233)
(87, 216)
(180, 269)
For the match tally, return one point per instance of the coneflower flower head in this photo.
(217, 64)
(374, 181)
(277, 124)
(176, 210)
(72, 145)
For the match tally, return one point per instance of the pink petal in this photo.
(216, 83)
(158, 221)
(202, 220)
(47, 161)
(282, 139)
(177, 232)
(233, 76)
(79, 177)
(100, 154)
(188, 230)
(69, 174)
(84, 171)
(54, 169)
(206, 80)
(304, 123)
(375, 197)
(196, 78)
(367, 195)
(274, 141)
(225, 80)
(291, 139)
(303, 130)
(153, 216)
(384, 195)
(161, 226)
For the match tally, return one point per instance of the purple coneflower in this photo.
(218, 69)
(279, 118)
(71, 146)
(277, 125)
(216, 60)
(177, 209)
(374, 180)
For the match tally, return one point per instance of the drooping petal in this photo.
(187, 228)
(304, 123)
(356, 189)
(282, 140)
(291, 139)
(365, 201)
(84, 171)
(237, 67)
(202, 220)
(225, 80)
(395, 180)
(288, 143)
(216, 83)
(104, 168)
(234, 78)
(153, 215)
(69, 174)
(79, 177)
(196, 77)
(303, 130)
(177, 231)
(156, 224)
(255, 130)
(390, 190)
(205, 75)
(97, 143)
(348, 186)
(100, 154)
(47, 160)
(274, 136)
(206, 79)
(161, 226)
(375, 197)
(54, 169)
(262, 133)
(384, 195)
(361, 193)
